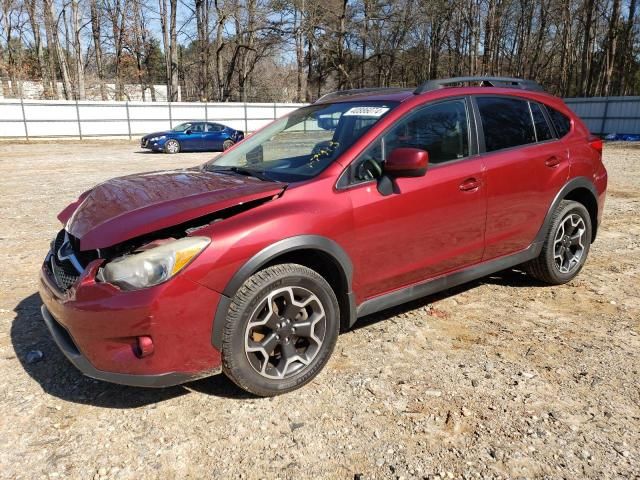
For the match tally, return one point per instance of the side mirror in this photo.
(188, 132)
(407, 162)
(327, 123)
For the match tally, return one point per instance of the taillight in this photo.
(596, 143)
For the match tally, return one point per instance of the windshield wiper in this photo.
(247, 172)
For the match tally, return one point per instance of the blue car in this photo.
(193, 136)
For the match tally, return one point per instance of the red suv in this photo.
(252, 263)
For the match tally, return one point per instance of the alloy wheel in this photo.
(173, 146)
(285, 332)
(569, 243)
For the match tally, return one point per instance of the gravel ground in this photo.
(501, 378)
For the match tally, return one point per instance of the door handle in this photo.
(552, 162)
(470, 185)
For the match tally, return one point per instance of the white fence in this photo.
(27, 119)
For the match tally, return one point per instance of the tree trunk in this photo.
(627, 54)
(50, 15)
(298, 24)
(77, 46)
(202, 27)
(97, 46)
(584, 65)
(612, 37)
(118, 17)
(51, 62)
(173, 38)
(47, 87)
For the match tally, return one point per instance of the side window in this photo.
(543, 132)
(441, 129)
(560, 121)
(197, 127)
(214, 127)
(506, 122)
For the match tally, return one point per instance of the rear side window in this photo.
(543, 132)
(506, 122)
(561, 122)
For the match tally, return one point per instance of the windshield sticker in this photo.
(366, 112)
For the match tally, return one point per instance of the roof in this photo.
(402, 94)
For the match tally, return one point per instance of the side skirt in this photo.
(444, 282)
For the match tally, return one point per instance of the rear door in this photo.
(213, 137)
(431, 224)
(526, 167)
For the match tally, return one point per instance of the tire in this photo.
(264, 354)
(227, 144)
(552, 265)
(172, 146)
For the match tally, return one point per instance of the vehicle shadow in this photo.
(59, 378)
(509, 278)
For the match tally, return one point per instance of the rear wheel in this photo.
(172, 146)
(566, 245)
(227, 144)
(281, 329)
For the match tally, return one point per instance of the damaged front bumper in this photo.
(97, 327)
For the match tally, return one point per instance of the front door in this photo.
(432, 224)
(192, 137)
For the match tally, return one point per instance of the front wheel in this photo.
(281, 329)
(172, 146)
(566, 245)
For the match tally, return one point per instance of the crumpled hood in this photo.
(131, 206)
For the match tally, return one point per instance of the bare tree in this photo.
(235, 49)
(35, 19)
(52, 25)
(96, 34)
(168, 16)
(77, 48)
(202, 10)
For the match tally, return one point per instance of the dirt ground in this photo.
(502, 378)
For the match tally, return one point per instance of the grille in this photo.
(63, 272)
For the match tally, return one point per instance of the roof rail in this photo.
(504, 82)
(355, 91)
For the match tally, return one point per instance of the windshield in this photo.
(182, 127)
(302, 145)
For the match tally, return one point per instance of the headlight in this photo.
(155, 139)
(152, 266)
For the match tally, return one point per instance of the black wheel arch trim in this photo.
(570, 186)
(268, 254)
